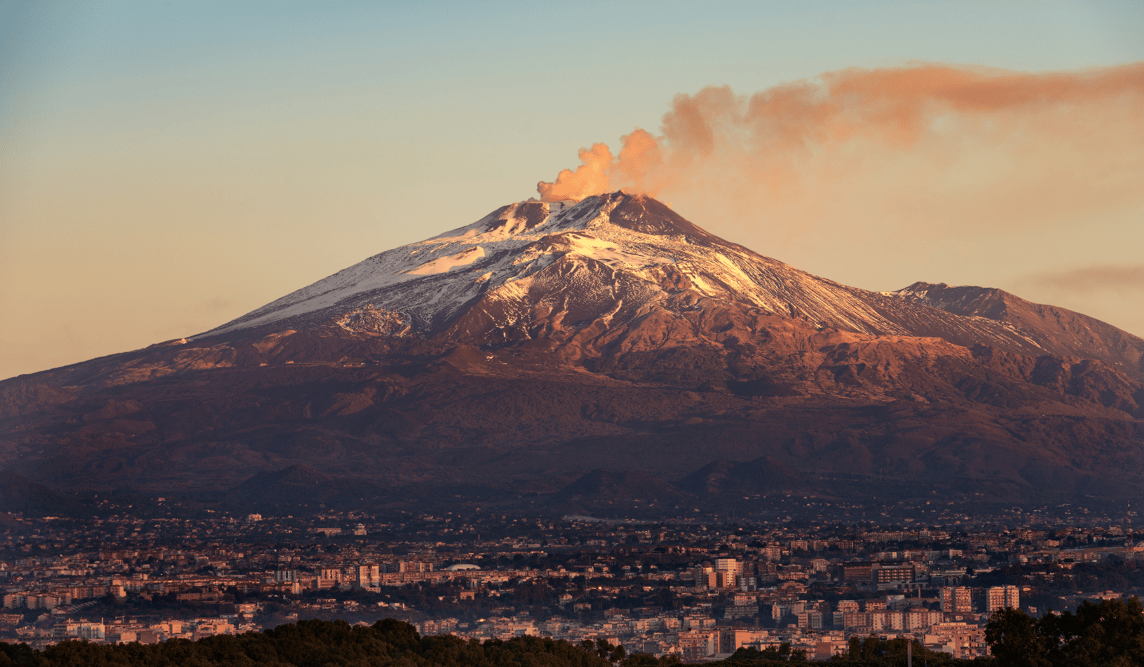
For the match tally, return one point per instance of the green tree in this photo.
(1015, 639)
(1108, 634)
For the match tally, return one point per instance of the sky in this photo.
(166, 167)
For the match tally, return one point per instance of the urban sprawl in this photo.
(697, 590)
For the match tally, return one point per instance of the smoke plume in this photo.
(991, 138)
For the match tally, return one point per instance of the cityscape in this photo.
(579, 334)
(692, 589)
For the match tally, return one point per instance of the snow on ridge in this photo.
(447, 253)
(432, 280)
(448, 262)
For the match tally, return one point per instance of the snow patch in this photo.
(449, 262)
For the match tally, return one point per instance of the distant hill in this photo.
(20, 494)
(761, 476)
(299, 487)
(607, 491)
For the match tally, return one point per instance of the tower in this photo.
(1129, 543)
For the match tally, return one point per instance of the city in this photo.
(691, 589)
(444, 334)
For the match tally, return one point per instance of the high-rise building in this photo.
(705, 577)
(414, 566)
(954, 600)
(730, 565)
(1002, 597)
(861, 571)
(368, 575)
(895, 573)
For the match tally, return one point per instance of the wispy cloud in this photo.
(1110, 292)
(1118, 279)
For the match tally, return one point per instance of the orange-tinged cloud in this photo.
(638, 160)
(591, 177)
(1118, 279)
(989, 142)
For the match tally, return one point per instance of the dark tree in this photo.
(1014, 639)
(1108, 634)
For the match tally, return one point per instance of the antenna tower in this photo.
(1130, 545)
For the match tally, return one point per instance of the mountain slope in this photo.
(519, 353)
(1055, 330)
(610, 257)
(19, 494)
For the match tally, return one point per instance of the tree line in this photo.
(1108, 634)
(313, 643)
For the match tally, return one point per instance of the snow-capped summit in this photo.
(431, 281)
(601, 250)
(549, 270)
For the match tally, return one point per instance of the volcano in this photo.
(503, 361)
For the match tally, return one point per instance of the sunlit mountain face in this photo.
(604, 355)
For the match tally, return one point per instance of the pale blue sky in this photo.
(165, 167)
